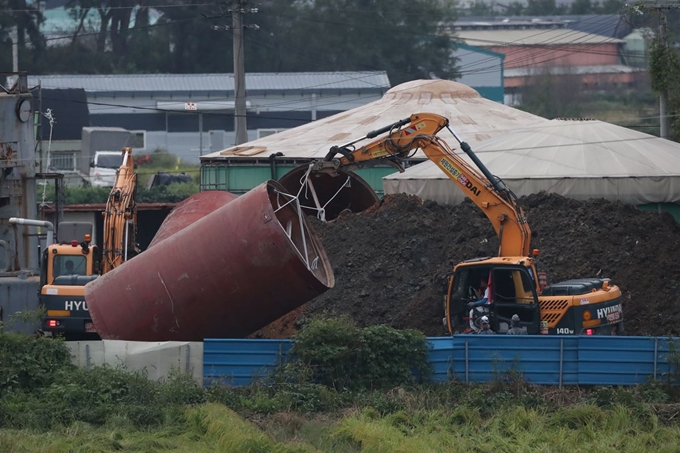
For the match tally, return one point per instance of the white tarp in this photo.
(471, 116)
(576, 159)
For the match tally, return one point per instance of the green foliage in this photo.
(335, 353)
(543, 8)
(552, 95)
(28, 363)
(40, 389)
(581, 7)
(664, 65)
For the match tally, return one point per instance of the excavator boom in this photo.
(120, 217)
(418, 131)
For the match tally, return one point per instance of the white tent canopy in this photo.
(472, 117)
(578, 159)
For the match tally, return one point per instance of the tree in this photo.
(403, 37)
(481, 8)
(27, 19)
(552, 95)
(581, 7)
(612, 6)
(543, 8)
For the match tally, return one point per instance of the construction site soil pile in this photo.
(390, 261)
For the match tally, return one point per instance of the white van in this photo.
(103, 168)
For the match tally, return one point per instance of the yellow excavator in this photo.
(590, 306)
(120, 217)
(72, 261)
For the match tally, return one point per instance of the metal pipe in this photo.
(38, 223)
(272, 163)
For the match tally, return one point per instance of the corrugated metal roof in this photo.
(473, 117)
(282, 81)
(568, 70)
(531, 37)
(612, 25)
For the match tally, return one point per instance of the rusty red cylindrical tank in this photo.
(191, 210)
(346, 190)
(224, 276)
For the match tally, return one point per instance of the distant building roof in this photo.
(531, 37)
(611, 25)
(575, 70)
(154, 83)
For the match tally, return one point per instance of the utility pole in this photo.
(238, 10)
(240, 126)
(15, 48)
(664, 120)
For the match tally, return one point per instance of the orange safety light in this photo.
(74, 243)
(87, 238)
(535, 253)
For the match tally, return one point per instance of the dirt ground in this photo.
(389, 262)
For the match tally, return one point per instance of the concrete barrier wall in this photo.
(157, 359)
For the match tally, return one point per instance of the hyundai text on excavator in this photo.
(584, 306)
(69, 264)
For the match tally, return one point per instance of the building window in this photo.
(138, 140)
(265, 132)
(63, 162)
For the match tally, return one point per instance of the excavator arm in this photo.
(418, 131)
(120, 217)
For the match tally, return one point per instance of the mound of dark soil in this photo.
(390, 261)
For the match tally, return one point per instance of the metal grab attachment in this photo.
(304, 253)
(307, 185)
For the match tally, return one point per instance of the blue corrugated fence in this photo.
(553, 360)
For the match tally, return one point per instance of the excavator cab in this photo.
(512, 291)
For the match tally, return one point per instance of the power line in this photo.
(127, 30)
(180, 5)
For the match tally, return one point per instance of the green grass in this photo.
(48, 405)
(213, 427)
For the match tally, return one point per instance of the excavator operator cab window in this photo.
(70, 265)
(514, 293)
(467, 285)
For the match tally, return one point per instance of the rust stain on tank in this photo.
(147, 300)
(8, 154)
